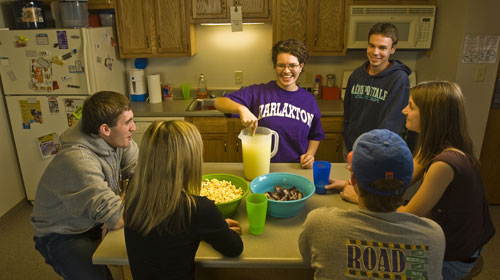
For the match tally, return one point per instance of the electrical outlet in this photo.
(238, 77)
(480, 74)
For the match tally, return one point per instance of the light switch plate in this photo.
(238, 77)
(480, 74)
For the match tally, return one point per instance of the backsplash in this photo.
(222, 52)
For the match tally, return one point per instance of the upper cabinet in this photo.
(101, 4)
(393, 2)
(154, 28)
(218, 11)
(319, 23)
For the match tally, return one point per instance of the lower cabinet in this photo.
(220, 138)
(221, 142)
(331, 148)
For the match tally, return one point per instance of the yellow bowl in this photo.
(228, 209)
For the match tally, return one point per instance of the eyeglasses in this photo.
(282, 66)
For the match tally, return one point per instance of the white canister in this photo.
(137, 85)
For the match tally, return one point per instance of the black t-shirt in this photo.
(167, 256)
(462, 211)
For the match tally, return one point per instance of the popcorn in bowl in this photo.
(220, 191)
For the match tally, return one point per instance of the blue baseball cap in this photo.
(381, 154)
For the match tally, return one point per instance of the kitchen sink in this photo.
(200, 104)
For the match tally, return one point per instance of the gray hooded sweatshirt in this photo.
(78, 189)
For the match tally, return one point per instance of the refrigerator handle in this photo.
(86, 50)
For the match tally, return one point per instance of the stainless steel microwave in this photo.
(415, 24)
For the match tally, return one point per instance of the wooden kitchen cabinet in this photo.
(319, 23)
(218, 11)
(220, 138)
(331, 148)
(101, 4)
(392, 2)
(154, 28)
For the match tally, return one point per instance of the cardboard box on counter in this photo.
(331, 93)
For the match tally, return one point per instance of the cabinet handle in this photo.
(147, 41)
(159, 42)
(223, 4)
(315, 39)
(338, 146)
(237, 147)
(225, 147)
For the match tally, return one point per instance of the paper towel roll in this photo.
(154, 88)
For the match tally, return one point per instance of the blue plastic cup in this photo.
(321, 174)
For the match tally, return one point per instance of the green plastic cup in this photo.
(256, 211)
(186, 91)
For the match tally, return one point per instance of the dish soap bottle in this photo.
(202, 87)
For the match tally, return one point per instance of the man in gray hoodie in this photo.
(78, 196)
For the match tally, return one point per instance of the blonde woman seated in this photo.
(165, 219)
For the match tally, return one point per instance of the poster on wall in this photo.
(480, 49)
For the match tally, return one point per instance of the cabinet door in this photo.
(289, 20)
(172, 28)
(133, 25)
(330, 148)
(326, 33)
(203, 9)
(100, 4)
(216, 148)
(218, 11)
(252, 8)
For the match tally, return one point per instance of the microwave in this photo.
(415, 24)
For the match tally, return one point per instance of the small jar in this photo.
(330, 80)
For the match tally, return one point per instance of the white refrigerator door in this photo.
(105, 70)
(31, 159)
(42, 62)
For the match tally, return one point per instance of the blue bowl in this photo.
(283, 209)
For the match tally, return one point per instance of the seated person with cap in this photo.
(374, 240)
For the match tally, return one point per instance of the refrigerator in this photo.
(46, 75)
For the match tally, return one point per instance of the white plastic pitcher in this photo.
(257, 151)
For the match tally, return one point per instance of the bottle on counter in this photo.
(316, 89)
(202, 87)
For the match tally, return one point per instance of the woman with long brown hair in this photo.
(452, 191)
(165, 218)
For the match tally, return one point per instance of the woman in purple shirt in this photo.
(282, 106)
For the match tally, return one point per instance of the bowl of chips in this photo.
(225, 190)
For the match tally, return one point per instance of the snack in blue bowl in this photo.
(288, 208)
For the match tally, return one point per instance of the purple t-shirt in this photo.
(294, 115)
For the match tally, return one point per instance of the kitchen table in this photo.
(274, 250)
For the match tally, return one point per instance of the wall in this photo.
(11, 186)
(457, 19)
(221, 52)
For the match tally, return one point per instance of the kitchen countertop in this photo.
(277, 247)
(177, 108)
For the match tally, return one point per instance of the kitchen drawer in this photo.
(210, 124)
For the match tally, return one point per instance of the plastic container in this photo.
(202, 87)
(74, 13)
(107, 19)
(28, 14)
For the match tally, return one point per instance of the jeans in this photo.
(70, 255)
(456, 269)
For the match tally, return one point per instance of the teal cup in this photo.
(256, 211)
